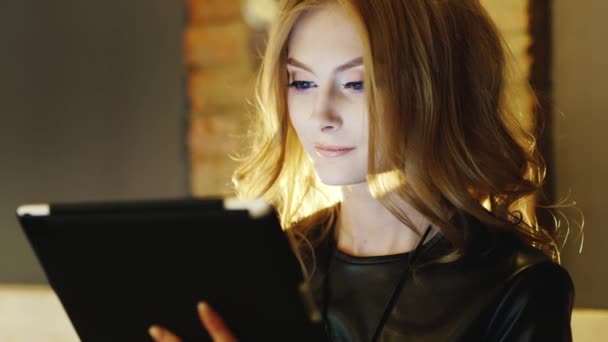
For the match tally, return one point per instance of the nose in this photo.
(325, 113)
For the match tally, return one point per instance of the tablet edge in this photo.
(34, 210)
(257, 208)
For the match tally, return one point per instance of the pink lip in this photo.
(332, 151)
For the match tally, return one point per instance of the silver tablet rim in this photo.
(257, 208)
(40, 209)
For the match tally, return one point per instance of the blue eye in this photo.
(357, 86)
(302, 85)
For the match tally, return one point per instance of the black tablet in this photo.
(119, 267)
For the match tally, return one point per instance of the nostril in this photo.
(327, 128)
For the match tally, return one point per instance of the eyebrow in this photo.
(350, 64)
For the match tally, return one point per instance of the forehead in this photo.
(324, 32)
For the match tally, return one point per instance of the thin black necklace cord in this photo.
(391, 304)
(327, 292)
(394, 296)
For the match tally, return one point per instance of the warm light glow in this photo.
(386, 182)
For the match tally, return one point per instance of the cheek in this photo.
(359, 120)
(298, 109)
(292, 110)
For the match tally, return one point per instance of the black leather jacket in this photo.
(506, 291)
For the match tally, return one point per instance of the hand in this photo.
(211, 320)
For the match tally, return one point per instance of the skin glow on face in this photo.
(326, 99)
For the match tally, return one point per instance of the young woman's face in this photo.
(326, 100)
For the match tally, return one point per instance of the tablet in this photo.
(119, 267)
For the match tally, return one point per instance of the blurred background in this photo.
(113, 100)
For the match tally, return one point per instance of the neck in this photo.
(366, 228)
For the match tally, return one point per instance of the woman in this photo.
(386, 140)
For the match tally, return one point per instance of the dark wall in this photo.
(580, 140)
(92, 107)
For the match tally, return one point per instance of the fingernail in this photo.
(155, 332)
(203, 307)
(207, 314)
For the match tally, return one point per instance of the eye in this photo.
(302, 85)
(356, 86)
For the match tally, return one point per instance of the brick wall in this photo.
(221, 68)
(511, 17)
(220, 74)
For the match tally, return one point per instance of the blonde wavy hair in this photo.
(440, 116)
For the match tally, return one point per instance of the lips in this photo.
(331, 150)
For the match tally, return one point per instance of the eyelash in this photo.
(350, 85)
(297, 85)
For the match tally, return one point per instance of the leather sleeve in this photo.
(537, 306)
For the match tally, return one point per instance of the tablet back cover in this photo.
(120, 267)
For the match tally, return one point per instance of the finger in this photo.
(160, 334)
(214, 324)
